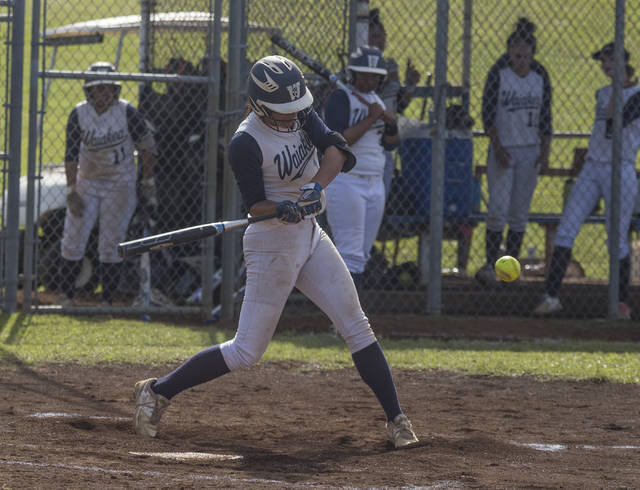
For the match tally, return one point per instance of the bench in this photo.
(460, 227)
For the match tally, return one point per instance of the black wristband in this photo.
(391, 129)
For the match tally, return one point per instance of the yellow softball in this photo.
(507, 268)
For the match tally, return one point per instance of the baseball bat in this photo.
(184, 235)
(307, 60)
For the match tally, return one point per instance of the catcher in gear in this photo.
(274, 157)
(101, 135)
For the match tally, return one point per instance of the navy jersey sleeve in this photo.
(322, 137)
(631, 111)
(136, 124)
(245, 159)
(336, 111)
(490, 97)
(545, 125)
(73, 138)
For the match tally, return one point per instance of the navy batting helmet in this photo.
(277, 84)
(367, 59)
(102, 67)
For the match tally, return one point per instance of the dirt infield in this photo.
(294, 426)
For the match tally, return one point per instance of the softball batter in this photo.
(594, 182)
(102, 133)
(370, 129)
(516, 112)
(275, 161)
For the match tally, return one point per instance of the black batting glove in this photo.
(289, 212)
(310, 199)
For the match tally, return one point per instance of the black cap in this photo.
(607, 50)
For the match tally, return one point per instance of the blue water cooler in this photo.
(415, 154)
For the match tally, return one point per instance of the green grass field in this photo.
(566, 33)
(90, 340)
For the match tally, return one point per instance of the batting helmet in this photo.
(102, 67)
(367, 59)
(277, 84)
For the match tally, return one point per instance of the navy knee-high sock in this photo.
(69, 270)
(492, 241)
(204, 366)
(557, 269)
(514, 242)
(625, 276)
(374, 371)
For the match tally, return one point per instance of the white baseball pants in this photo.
(113, 204)
(355, 207)
(593, 183)
(279, 257)
(511, 188)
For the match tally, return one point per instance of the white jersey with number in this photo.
(519, 105)
(106, 148)
(368, 149)
(600, 143)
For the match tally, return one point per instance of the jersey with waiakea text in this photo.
(600, 142)
(368, 149)
(103, 144)
(284, 161)
(518, 107)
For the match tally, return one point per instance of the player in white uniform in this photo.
(102, 133)
(396, 97)
(274, 156)
(594, 182)
(516, 112)
(370, 129)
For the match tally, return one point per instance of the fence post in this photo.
(30, 231)
(15, 142)
(434, 306)
(213, 124)
(237, 48)
(616, 171)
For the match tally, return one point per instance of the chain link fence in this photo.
(167, 71)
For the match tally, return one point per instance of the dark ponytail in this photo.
(523, 32)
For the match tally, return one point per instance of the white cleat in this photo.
(548, 305)
(400, 432)
(149, 408)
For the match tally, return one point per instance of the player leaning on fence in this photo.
(516, 112)
(594, 182)
(274, 158)
(102, 133)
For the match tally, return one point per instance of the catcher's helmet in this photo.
(102, 67)
(277, 84)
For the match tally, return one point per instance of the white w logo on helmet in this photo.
(268, 85)
(373, 60)
(294, 91)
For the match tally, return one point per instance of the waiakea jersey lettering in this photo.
(293, 160)
(518, 107)
(369, 148)
(103, 144)
(272, 165)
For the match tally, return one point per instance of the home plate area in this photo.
(288, 425)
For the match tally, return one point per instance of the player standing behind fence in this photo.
(102, 133)
(396, 97)
(594, 182)
(516, 112)
(274, 157)
(355, 201)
